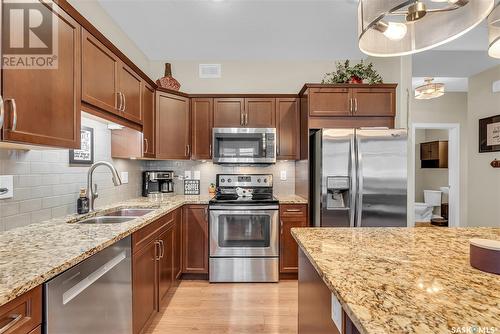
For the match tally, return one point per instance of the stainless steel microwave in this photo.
(244, 145)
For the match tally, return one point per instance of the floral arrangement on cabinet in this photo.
(357, 74)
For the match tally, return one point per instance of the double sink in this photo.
(117, 216)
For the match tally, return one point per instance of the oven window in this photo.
(239, 146)
(244, 231)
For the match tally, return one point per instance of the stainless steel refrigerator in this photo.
(359, 177)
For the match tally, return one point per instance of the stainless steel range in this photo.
(244, 230)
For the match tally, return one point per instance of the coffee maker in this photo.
(157, 182)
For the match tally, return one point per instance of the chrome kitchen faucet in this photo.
(92, 188)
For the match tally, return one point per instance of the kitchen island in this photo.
(395, 280)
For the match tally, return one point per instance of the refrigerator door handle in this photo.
(359, 190)
(353, 191)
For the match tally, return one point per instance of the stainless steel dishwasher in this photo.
(95, 296)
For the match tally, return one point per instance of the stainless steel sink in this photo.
(129, 212)
(106, 220)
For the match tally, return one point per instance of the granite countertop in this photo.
(31, 255)
(291, 199)
(405, 280)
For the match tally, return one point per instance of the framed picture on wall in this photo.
(85, 155)
(489, 134)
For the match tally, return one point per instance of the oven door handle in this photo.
(237, 209)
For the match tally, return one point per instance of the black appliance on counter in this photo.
(157, 182)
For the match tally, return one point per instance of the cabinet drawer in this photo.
(148, 233)
(23, 314)
(293, 210)
(37, 330)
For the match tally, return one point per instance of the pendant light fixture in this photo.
(494, 33)
(400, 27)
(429, 90)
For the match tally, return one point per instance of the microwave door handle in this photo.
(264, 145)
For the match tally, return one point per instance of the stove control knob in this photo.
(265, 180)
(222, 180)
(229, 180)
(258, 180)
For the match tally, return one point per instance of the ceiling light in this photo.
(494, 33)
(427, 24)
(429, 90)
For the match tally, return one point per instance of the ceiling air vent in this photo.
(210, 71)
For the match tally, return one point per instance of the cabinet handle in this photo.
(281, 227)
(350, 105)
(241, 118)
(206, 214)
(146, 145)
(188, 150)
(210, 150)
(124, 102)
(293, 210)
(157, 256)
(119, 101)
(14, 319)
(355, 105)
(162, 248)
(246, 118)
(2, 117)
(14, 112)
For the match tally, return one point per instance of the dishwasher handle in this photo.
(81, 286)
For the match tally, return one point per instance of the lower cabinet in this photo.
(22, 315)
(195, 239)
(155, 250)
(291, 215)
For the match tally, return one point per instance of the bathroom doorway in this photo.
(435, 153)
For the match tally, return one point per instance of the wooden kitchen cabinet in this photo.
(42, 106)
(202, 114)
(148, 126)
(23, 314)
(144, 286)
(288, 128)
(329, 102)
(195, 239)
(173, 136)
(177, 231)
(99, 75)
(260, 113)
(374, 101)
(130, 88)
(228, 112)
(291, 215)
(166, 260)
(434, 154)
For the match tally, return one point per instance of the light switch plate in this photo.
(6, 182)
(283, 175)
(124, 177)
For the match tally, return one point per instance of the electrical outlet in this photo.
(187, 175)
(196, 175)
(124, 177)
(6, 186)
(283, 175)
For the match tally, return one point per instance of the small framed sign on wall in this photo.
(85, 155)
(489, 134)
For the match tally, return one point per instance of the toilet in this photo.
(423, 211)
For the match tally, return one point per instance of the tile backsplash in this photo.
(46, 186)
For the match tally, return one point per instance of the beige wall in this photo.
(484, 181)
(450, 108)
(96, 15)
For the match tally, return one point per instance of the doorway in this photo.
(435, 157)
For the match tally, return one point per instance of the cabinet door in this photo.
(99, 74)
(374, 102)
(202, 120)
(288, 128)
(144, 282)
(290, 216)
(42, 107)
(425, 151)
(195, 239)
(172, 127)
(165, 263)
(177, 243)
(260, 113)
(329, 102)
(228, 112)
(23, 313)
(129, 86)
(148, 126)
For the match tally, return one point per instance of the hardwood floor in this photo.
(203, 308)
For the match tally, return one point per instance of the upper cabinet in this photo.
(229, 112)
(99, 75)
(42, 106)
(376, 101)
(288, 128)
(173, 136)
(108, 83)
(329, 102)
(148, 126)
(202, 114)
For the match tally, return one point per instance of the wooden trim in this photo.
(170, 91)
(350, 122)
(263, 95)
(94, 111)
(318, 85)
